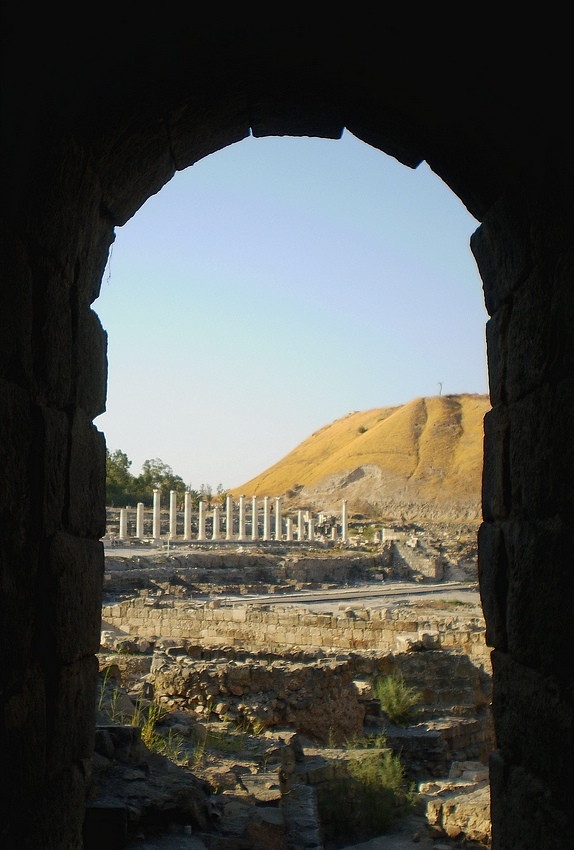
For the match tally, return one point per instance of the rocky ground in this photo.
(223, 789)
(193, 780)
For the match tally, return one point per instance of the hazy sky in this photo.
(274, 287)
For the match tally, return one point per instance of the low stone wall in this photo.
(256, 625)
(223, 568)
(328, 698)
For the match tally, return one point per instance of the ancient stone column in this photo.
(216, 524)
(289, 528)
(156, 523)
(201, 522)
(310, 526)
(241, 518)
(187, 516)
(266, 518)
(123, 524)
(229, 517)
(278, 520)
(344, 523)
(254, 519)
(140, 521)
(172, 514)
(300, 526)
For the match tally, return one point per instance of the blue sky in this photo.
(272, 288)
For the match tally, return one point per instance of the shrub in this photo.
(365, 803)
(397, 699)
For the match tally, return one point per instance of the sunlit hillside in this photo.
(420, 460)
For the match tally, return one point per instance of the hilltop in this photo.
(415, 462)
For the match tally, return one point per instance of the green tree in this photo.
(195, 498)
(121, 487)
(159, 475)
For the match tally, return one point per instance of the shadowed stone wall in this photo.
(97, 118)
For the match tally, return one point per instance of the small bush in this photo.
(376, 741)
(366, 802)
(397, 699)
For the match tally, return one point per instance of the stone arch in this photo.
(97, 122)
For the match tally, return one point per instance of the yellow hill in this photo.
(419, 460)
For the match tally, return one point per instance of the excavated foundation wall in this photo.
(257, 626)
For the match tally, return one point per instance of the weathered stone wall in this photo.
(212, 570)
(327, 696)
(526, 259)
(259, 626)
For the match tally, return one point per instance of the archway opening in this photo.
(349, 294)
(275, 286)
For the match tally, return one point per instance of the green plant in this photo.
(222, 742)
(367, 801)
(171, 745)
(113, 710)
(257, 726)
(147, 720)
(368, 742)
(103, 688)
(397, 699)
(250, 725)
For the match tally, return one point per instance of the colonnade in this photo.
(260, 520)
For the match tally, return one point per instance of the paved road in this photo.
(372, 595)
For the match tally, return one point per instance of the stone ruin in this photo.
(301, 684)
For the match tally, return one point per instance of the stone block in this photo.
(540, 575)
(74, 583)
(91, 363)
(540, 440)
(501, 248)
(105, 826)
(87, 479)
(493, 577)
(16, 311)
(56, 435)
(430, 640)
(529, 706)
(496, 495)
(73, 697)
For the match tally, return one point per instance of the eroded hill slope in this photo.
(421, 460)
